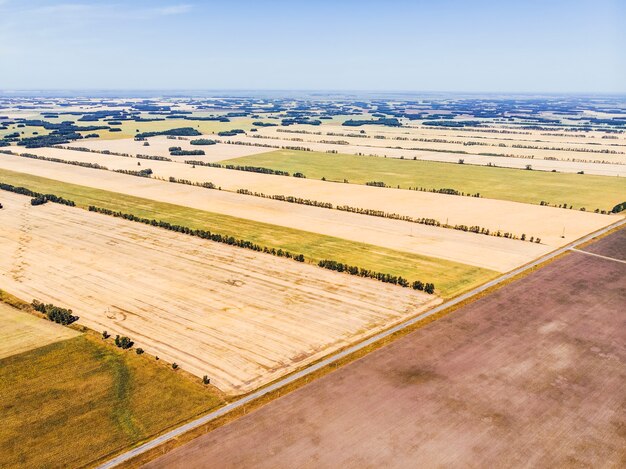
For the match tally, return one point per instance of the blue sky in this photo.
(393, 45)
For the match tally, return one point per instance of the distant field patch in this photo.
(21, 331)
(532, 187)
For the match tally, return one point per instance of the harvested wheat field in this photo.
(555, 227)
(529, 376)
(159, 146)
(489, 252)
(21, 331)
(240, 317)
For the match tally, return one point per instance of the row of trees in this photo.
(55, 313)
(152, 157)
(204, 234)
(287, 198)
(206, 185)
(252, 169)
(144, 173)
(29, 193)
(59, 160)
(178, 132)
(202, 141)
(382, 277)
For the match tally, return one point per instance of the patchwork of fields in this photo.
(532, 374)
(453, 192)
(531, 187)
(240, 317)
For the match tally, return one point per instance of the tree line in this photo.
(60, 160)
(252, 169)
(178, 151)
(204, 234)
(144, 173)
(206, 185)
(178, 132)
(29, 193)
(382, 277)
(394, 216)
(55, 313)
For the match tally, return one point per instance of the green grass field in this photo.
(450, 278)
(591, 192)
(73, 402)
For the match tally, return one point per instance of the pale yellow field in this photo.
(555, 227)
(499, 254)
(21, 331)
(240, 317)
(159, 147)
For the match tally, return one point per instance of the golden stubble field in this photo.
(556, 227)
(240, 317)
(21, 331)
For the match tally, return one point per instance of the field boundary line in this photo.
(149, 445)
(597, 255)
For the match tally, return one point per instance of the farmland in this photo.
(299, 312)
(20, 331)
(554, 226)
(449, 277)
(532, 187)
(531, 374)
(307, 226)
(75, 401)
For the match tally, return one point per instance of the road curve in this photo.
(128, 455)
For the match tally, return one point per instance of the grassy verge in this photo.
(450, 278)
(588, 191)
(79, 400)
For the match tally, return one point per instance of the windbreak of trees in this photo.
(155, 158)
(59, 160)
(206, 185)
(287, 198)
(252, 169)
(202, 141)
(230, 133)
(178, 132)
(144, 173)
(55, 313)
(29, 193)
(204, 234)
(181, 152)
(382, 277)
(389, 122)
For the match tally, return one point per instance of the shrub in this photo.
(123, 342)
